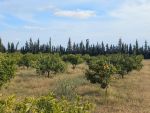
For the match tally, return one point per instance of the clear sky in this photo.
(98, 20)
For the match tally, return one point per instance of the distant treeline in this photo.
(78, 48)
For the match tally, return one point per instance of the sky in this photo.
(97, 20)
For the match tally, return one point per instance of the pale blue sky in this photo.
(98, 20)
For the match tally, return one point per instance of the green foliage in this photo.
(26, 60)
(15, 56)
(100, 71)
(50, 64)
(102, 67)
(138, 62)
(86, 58)
(7, 69)
(126, 63)
(73, 59)
(45, 104)
(67, 87)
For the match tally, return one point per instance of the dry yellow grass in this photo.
(128, 95)
(28, 83)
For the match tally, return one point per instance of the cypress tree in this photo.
(130, 49)
(120, 45)
(69, 46)
(103, 48)
(50, 45)
(9, 47)
(136, 48)
(87, 45)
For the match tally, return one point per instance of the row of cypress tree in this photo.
(78, 48)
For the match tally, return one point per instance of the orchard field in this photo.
(74, 56)
(53, 83)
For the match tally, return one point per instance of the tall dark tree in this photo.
(145, 46)
(74, 48)
(120, 45)
(31, 45)
(2, 47)
(9, 47)
(103, 48)
(87, 45)
(130, 49)
(107, 49)
(126, 49)
(12, 48)
(27, 48)
(146, 50)
(136, 47)
(69, 46)
(38, 46)
(82, 48)
(50, 45)
(122, 48)
(16, 48)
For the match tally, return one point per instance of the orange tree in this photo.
(126, 63)
(7, 69)
(100, 71)
(26, 60)
(73, 59)
(50, 64)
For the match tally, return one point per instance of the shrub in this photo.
(45, 104)
(67, 87)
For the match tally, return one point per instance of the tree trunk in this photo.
(106, 95)
(48, 74)
(74, 66)
(122, 76)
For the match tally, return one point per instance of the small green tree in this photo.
(73, 59)
(15, 56)
(100, 71)
(26, 60)
(7, 69)
(138, 62)
(126, 63)
(86, 58)
(50, 64)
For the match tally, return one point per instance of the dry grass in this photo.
(28, 83)
(128, 95)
